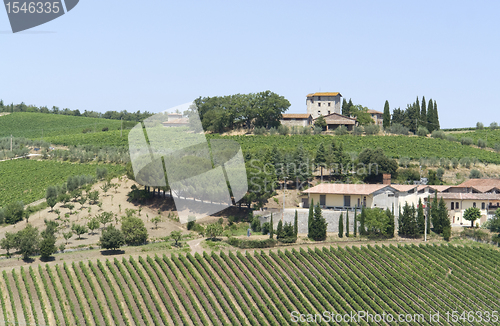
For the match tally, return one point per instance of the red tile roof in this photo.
(296, 116)
(344, 189)
(324, 94)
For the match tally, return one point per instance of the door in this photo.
(347, 201)
(322, 200)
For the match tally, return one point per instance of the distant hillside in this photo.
(492, 137)
(32, 125)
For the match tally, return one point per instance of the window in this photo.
(359, 202)
(347, 201)
(319, 98)
(457, 206)
(319, 104)
(328, 111)
(322, 200)
(473, 204)
(329, 103)
(483, 205)
(364, 201)
(319, 112)
(452, 205)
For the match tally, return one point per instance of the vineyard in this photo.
(394, 146)
(257, 289)
(492, 137)
(36, 125)
(27, 180)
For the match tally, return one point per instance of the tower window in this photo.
(329, 103)
(328, 110)
(319, 104)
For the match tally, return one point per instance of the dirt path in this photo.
(195, 246)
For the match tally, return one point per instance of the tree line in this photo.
(124, 114)
(254, 110)
(415, 116)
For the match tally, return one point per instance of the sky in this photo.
(157, 54)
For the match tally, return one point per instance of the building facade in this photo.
(324, 103)
(296, 119)
(377, 117)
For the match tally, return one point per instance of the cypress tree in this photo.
(400, 221)
(435, 215)
(390, 226)
(349, 107)
(345, 107)
(355, 222)
(271, 232)
(347, 224)
(430, 117)
(423, 114)
(428, 217)
(279, 230)
(296, 224)
(310, 218)
(420, 217)
(387, 115)
(444, 220)
(341, 225)
(436, 116)
(417, 113)
(318, 225)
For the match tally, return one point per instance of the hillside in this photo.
(492, 137)
(32, 125)
(257, 289)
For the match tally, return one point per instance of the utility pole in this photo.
(284, 190)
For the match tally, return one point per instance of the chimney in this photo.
(386, 178)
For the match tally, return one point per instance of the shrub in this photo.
(408, 175)
(105, 129)
(404, 162)
(249, 244)
(465, 162)
(479, 125)
(422, 131)
(134, 231)
(466, 141)
(306, 131)
(265, 228)
(451, 138)
(438, 134)
(440, 173)
(255, 225)
(475, 174)
(273, 131)
(372, 129)
(214, 230)
(398, 129)
(190, 225)
(283, 130)
(493, 125)
(259, 131)
(341, 130)
(447, 233)
(481, 143)
(497, 147)
(317, 130)
(445, 163)
(454, 162)
(112, 238)
(358, 130)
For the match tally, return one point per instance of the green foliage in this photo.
(361, 114)
(389, 230)
(377, 163)
(493, 224)
(481, 143)
(255, 225)
(156, 220)
(422, 131)
(271, 227)
(249, 244)
(9, 242)
(341, 225)
(296, 224)
(27, 241)
(79, 229)
(439, 215)
(112, 238)
(347, 224)
(214, 230)
(341, 130)
(320, 122)
(358, 130)
(386, 115)
(475, 174)
(398, 129)
(176, 236)
(310, 218)
(93, 224)
(318, 225)
(472, 214)
(134, 231)
(466, 141)
(190, 224)
(479, 126)
(376, 221)
(372, 129)
(447, 233)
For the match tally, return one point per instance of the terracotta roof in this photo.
(324, 94)
(296, 116)
(468, 196)
(439, 188)
(176, 121)
(481, 183)
(374, 111)
(344, 189)
(403, 187)
(336, 118)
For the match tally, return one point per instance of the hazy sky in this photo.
(152, 55)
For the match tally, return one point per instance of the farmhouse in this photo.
(377, 117)
(481, 193)
(175, 120)
(335, 120)
(296, 119)
(323, 104)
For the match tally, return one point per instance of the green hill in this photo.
(492, 137)
(34, 125)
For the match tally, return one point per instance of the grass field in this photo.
(257, 289)
(27, 180)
